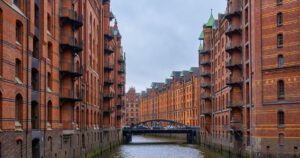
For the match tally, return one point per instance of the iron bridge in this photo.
(178, 128)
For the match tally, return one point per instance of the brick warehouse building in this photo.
(177, 99)
(132, 107)
(56, 59)
(249, 62)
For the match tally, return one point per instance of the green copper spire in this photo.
(201, 36)
(211, 21)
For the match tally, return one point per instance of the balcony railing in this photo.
(205, 62)
(108, 66)
(69, 16)
(122, 70)
(234, 47)
(233, 11)
(108, 94)
(121, 84)
(206, 112)
(108, 36)
(108, 49)
(205, 51)
(205, 85)
(233, 29)
(68, 94)
(206, 96)
(232, 105)
(234, 81)
(108, 81)
(121, 60)
(69, 42)
(234, 64)
(67, 67)
(205, 74)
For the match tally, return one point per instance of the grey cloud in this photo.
(160, 36)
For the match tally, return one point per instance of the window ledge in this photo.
(18, 81)
(18, 43)
(281, 126)
(18, 126)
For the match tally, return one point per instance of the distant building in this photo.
(132, 107)
(178, 98)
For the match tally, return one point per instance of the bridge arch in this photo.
(171, 122)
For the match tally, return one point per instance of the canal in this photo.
(153, 147)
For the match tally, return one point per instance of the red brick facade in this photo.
(177, 99)
(53, 68)
(132, 107)
(251, 101)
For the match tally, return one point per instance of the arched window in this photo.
(19, 32)
(16, 2)
(280, 40)
(35, 52)
(280, 118)
(34, 115)
(50, 51)
(35, 79)
(280, 60)
(49, 24)
(18, 69)
(49, 114)
(19, 108)
(279, 19)
(281, 89)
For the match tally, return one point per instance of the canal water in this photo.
(153, 147)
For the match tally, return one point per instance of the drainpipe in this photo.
(27, 73)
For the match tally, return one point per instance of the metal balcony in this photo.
(121, 70)
(205, 74)
(68, 42)
(120, 103)
(67, 68)
(108, 82)
(68, 95)
(108, 95)
(206, 113)
(206, 97)
(106, 109)
(108, 36)
(121, 60)
(205, 63)
(233, 47)
(234, 64)
(121, 84)
(205, 51)
(233, 12)
(205, 85)
(234, 81)
(108, 66)
(234, 105)
(69, 16)
(233, 29)
(108, 49)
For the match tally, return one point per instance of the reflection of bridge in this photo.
(177, 128)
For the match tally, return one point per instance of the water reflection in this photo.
(149, 147)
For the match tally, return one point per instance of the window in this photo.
(281, 139)
(19, 108)
(280, 60)
(280, 89)
(35, 52)
(36, 16)
(49, 115)
(34, 115)
(49, 23)
(18, 68)
(16, 2)
(50, 51)
(279, 2)
(279, 40)
(279, 19)
(35, 80)
(280, 117)
(19, 32)
(49, 80)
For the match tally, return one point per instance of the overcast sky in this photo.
(161, 36)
